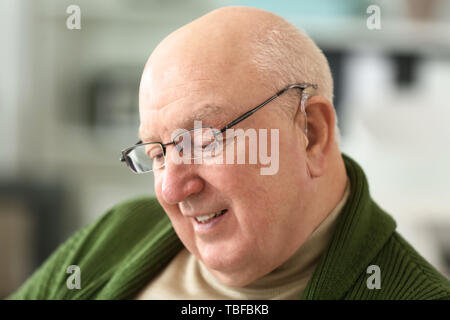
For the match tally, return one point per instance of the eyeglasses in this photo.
(151, 156)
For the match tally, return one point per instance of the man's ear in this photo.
(321, 119)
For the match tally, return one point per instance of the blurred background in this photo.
(69, 105)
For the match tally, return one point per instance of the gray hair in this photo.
(284, 55)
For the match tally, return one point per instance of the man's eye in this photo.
(155, 154)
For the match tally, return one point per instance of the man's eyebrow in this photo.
(188, 122)
(144, 139)
(202, 114)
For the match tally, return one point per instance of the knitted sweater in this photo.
(125, 248)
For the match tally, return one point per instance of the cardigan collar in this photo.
(360, 234)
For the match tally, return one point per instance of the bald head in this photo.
(232, 41)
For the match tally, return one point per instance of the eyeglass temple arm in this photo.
(279, 93)
(248, 113)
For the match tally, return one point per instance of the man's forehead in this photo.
(176, 91)
(191, 94)
(158, 123)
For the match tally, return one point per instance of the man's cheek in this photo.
(184, 231)
(233, 178)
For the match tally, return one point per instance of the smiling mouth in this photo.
(207, 218)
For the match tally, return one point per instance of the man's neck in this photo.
(331, 189)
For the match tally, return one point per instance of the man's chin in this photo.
(231, 270)
(220, 258)
(237, 279)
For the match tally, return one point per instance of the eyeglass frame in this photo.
(242, 117)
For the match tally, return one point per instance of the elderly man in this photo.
(306, 228)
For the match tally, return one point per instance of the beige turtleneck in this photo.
(187, 278)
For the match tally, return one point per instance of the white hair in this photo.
(284, 55)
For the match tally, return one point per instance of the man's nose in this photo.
(179, 181)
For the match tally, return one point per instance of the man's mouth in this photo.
(207, 218)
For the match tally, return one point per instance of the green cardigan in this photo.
(123, 250)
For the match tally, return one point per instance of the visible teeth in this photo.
(204, 219)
